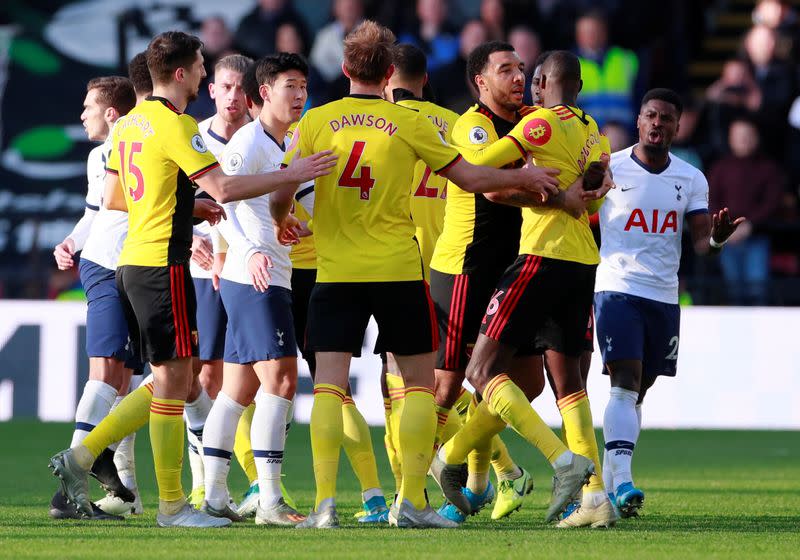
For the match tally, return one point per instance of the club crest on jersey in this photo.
(198, 144)
(678, 189)
(478, 135)
(234, 162)
(537, 132)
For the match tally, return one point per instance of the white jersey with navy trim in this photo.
(215, 144)
(249, 227)
(109, 227)
(641, 223)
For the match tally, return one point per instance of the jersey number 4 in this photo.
(364, 182)
(133, 169)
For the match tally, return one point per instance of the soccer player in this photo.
(636, 290)
(260, 348)
(479, 241)
(228, 94)
(545, 297)
(369, 263)
(99, 235)
(155, 158)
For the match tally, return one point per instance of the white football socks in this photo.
(268, 437)
(218, 436)
(96, 401)
(196, 413)
(620, 431)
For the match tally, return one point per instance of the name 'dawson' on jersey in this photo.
(362, 119)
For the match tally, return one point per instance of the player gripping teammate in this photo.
(157, 155)
(545, 296)
(99, 235)
(480, 240)
(636, 299)
(369, 263)
(229, 98)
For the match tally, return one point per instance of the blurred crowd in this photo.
(742, 132)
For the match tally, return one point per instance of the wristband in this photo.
(714, 244)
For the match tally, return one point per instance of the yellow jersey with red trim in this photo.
(158, 152)
(477, 234)
(362, 217)
(304, 254)
(566, 138)
(428, 190)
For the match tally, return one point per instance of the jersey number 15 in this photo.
(133, 169)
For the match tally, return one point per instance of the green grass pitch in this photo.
(710, 494)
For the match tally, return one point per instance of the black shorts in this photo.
(460, 301)
(339, 312)
(303, 280)
(542, 301)
(160, 308)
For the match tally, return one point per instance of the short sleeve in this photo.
(112, 162)
(236, 158)
(698, 199)
(534, 132)
(188, 149)
(431, 147)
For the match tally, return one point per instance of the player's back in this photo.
(150, 146)
(568, 139)
(429, 190)
(362, 226)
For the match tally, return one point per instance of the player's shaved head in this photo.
(139, 74)
(368, 52)
(169, 51)
(561, 71)
(410, 62)
(114, 91)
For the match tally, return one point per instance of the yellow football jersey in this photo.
(566, 138)
(157, 153)
(477, 234)
(303, 255)
(428, 190)
(362, 217)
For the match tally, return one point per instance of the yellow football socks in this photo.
(242, 447)
(481, 427)
(502, 463)
(357, 445)
(451, 427)
(327, 433)
(128, 416)
(510, 403)
(479, 458)
(166, 438)
(397, 390)
(577, 417)
(388, 442)
(417, 432)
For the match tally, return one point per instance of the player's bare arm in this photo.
(113, 196)
(716, 227)
(228, 188)
(481, 179)
(208, 210)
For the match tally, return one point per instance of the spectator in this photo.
(289, 39)
(775, 77)
(734, 93)
(526, 44)
(433, 35)
(327, 53)
(493, 16)
(255, 35)
(450, 83)
(618, 136)
(779, 16)
(609, 73)
(217, 43)
(749, 184)
(683, 144)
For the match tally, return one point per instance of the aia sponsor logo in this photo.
(655, 221)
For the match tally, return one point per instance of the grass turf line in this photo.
(710, 494)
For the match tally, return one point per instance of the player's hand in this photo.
(258, 266)
(597, 194)
(216, 269)
(573, 202)
(304, 169)
(303, 230)
(288, 232)
(208, 210)
(541, 180)
(202, 253)
(723, 227)
(63, 253)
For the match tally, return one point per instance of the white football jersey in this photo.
(215, 144)
(110, 227)
(641, 223)
(249, 225)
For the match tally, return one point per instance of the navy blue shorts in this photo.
(106, 327)
(211, 320)
(260, 325)
(635, 328)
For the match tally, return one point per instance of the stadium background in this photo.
(49, 49)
